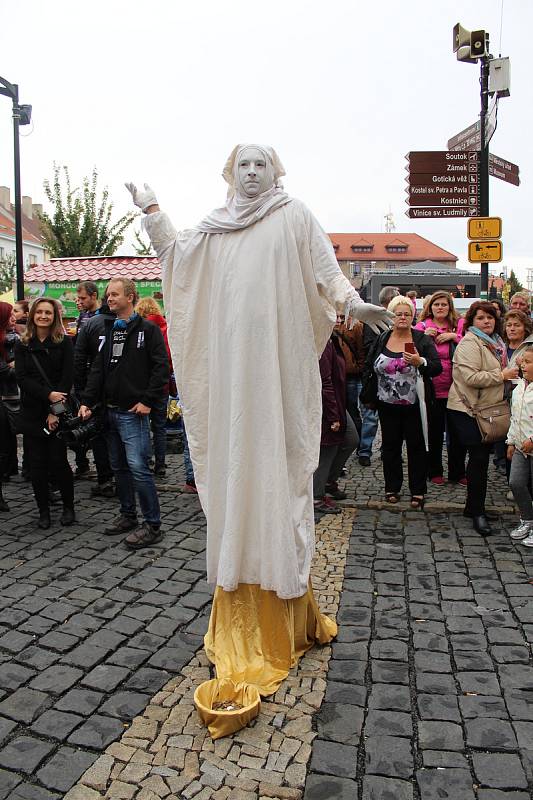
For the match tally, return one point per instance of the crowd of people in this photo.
(425, 380)
(115, 369)
(421, 382)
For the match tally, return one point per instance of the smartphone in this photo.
(409, 347)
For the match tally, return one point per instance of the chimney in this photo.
(27, 207)
(5, 201)
(37, 209)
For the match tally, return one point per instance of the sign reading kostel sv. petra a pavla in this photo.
(442, 183)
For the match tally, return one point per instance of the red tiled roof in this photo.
(7, 228)
(141, 268)
(418, 248)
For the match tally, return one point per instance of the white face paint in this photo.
(253, 174)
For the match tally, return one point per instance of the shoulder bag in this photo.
(493, 420)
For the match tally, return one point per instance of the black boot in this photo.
(3, 505)
(44, 519)
(68, 517)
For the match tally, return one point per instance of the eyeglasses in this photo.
(402, 314)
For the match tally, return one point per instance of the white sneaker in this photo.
(524, 529)
(528, 542)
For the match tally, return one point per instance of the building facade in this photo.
(361, 254)
(33, 247)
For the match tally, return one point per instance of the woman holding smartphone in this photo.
(397, 381)
(44, 367)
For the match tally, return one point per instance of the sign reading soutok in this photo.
(65, 292)
(442, 184)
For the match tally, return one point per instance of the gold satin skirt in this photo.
(255, 638)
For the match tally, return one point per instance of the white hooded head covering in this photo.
(240, 210)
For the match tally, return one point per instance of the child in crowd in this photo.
(520, 449)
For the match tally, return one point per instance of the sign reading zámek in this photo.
(65, 292)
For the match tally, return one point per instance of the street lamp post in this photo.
(21, 116)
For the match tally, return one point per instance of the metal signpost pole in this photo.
(18, 203)
(484, 160)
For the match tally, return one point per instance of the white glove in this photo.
(142, 199)
(376, 317)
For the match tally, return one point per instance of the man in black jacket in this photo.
(129, 375)
(90, 339)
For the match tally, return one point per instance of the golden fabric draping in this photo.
(255, 637)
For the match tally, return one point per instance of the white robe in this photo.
(249, 313)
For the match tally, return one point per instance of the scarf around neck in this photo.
(495, 343)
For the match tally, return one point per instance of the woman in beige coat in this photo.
(479, 372)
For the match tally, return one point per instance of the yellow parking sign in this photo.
(484, 228)
(485, 252)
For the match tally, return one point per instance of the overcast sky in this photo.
(162, 91)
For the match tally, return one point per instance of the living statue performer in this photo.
(251, 295)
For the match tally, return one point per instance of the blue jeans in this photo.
(369, 417)
(129, 453)
(189, 472)
(158, 421)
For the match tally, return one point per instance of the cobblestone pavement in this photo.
(427, 692)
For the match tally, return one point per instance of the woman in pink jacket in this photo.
(438, 319)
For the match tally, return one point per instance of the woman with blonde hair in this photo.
(44, 368)
(438, 319)
(150, 309)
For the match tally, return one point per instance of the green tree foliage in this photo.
(514, 284)
(7, 272)
(80, 224)
(141, 247)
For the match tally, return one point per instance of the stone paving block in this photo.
(388, 755)
(474, 707)
(433, 683)
(389, 649)
(438, 707)
(499, 770)
(479, 682)
(345, 671)
(433, 735)
(378, 788)
(389, 672)
(8, 781)
(6, 727)
(319, 787)
(56, 724)
(444, 758)
(490, 734)
(97, 732)
(56, 679)
(28, 791)
(349, 693)
(64, 768)
(81, 701)
(340, 723)
(125, 705)
(24, 704)
(393, 723)
(105, 677)
(438, 784)
(496, 794)
(24, 754)
(394, 697)
(334, 758)
(13, 675)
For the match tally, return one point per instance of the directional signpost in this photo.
(442, 184)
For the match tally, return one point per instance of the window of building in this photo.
(362, 248)
(355, 268)
(33, 259)
(2, 253)
(396, 248)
